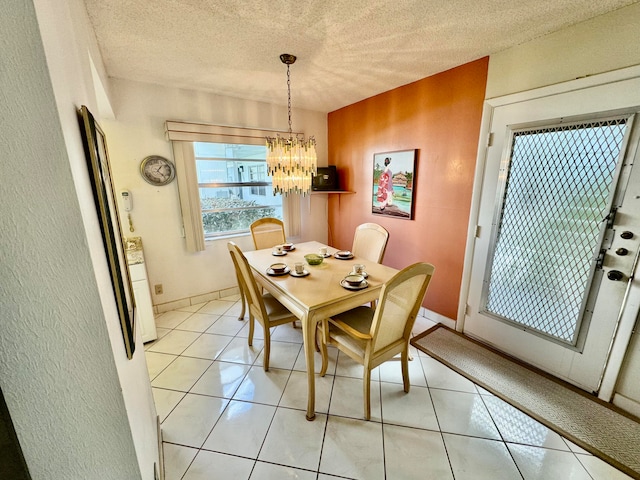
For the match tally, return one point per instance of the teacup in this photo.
(299, 268)
(287, 246)
(358, 269)
(323, 251)
(278, 249)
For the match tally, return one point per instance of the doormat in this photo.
(594, 425)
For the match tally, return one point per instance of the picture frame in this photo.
(393, 183)
(95, 149)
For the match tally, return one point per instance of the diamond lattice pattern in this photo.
(556, 196)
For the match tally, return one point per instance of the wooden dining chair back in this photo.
(370, 242)
(264, 308)
(267, 232)
(372, 336)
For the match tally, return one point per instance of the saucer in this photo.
(362, 285)
(326, 255)
(276, 254)
(303, 274)
(271, 273)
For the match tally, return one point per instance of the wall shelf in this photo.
(316, 192)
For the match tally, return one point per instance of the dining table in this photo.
(317, 295)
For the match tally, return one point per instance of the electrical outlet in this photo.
(158, 289)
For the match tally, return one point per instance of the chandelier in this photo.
(291, 161)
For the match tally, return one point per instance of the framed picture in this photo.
(393, 183)
(95, 149)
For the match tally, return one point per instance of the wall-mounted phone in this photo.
(127, 201)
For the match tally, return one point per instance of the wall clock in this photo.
(157, 170)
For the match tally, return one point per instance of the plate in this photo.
(362, 285)
(343, 255)
(326, 255)
(303, 274)
(276, 254)
(274, 274)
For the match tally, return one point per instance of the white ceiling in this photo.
(347, 50)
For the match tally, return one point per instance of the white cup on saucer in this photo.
(299, 268)
(278, 249)
(358, 269)
(323, 251)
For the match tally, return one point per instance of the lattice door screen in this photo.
(550, 219)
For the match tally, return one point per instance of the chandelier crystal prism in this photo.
(291, 161)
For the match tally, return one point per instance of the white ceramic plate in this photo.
(303, 274)
(281, 254)
(273, 273)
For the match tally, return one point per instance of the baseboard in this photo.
(195, 300)
(160, 450)
(437, 318)
(627, 404)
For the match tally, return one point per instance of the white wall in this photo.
(138, 131)
(63, 369)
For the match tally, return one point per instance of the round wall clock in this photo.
(157, 170)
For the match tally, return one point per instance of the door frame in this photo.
(631, 306)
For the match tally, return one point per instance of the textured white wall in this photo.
(605, 43)
(138, 131)
(57, 368)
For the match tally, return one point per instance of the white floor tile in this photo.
(239, 351)
(412, 453)
(537, 463)
(391, 371)
(221, 379)
(207, 346)
(198, 322)
(268, 471)
(463, 413)
(226, 325)
(174, 342)
(182, 374)
(216, 307)
(241, 429)
(192, 420)
(517, 427)
(347, 400)
(293, 441)
(347, 367)
(295, 393)
(235, 309)
(157, 362)
(210, 465)
(480, 459)
(176, 460)
(413, 409)
(192, 308)
(353, 449)
(166, 401)
(332, 353)
(171, 319)
(257, 331)
(441, 376)
(600, 470)
(282, 355)
(263, 387)
(286, 333)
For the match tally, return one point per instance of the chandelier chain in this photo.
(289, 97)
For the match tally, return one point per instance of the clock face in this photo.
(157, 170)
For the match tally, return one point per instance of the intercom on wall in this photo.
(127, 201)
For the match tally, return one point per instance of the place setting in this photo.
(299, 270)
(282, 250)
(356, 279)
(278, 269)
(324, 252)
(343, 255)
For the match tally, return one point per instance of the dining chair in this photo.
(264, 308)
(372, 336)
(267, 232)
(370, 242)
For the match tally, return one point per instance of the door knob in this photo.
(626, 234)
(615, 275)
(622, 251)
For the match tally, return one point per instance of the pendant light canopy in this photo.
(291, 161)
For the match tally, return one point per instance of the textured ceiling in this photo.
(347, 49)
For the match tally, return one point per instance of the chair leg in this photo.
(267, 348)
(242, 302)
(252, 323)
(366, 393)
(325, 356)
(405, 369)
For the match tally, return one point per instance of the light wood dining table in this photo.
(318, 295)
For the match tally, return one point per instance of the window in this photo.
(223, 183)
(234, 187)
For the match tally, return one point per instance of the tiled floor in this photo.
(223, 417)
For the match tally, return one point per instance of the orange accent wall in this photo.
(440, 117)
